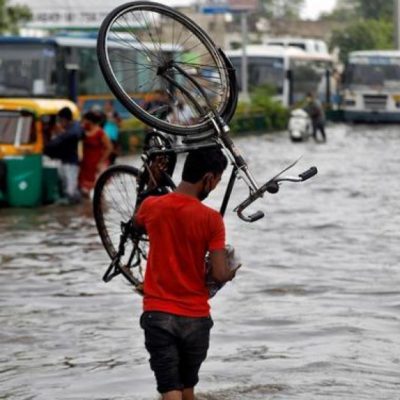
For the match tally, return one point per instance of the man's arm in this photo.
(139, 218)
(219, 266)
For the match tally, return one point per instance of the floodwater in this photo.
(314, 313)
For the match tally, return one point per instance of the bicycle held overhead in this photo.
(173, 56)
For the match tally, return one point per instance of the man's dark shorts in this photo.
(177, 345)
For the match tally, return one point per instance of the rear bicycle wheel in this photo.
(148, 49)
(114, 204)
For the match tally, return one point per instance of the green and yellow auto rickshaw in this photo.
(25, 127)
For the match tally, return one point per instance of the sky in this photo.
(313, 8)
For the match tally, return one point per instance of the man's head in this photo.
(203, 169)
(310, 96)
(64, 116)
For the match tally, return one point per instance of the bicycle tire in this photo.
(231, 105)
(114, 202)
(218, 82)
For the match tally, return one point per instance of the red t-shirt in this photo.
(181, 230)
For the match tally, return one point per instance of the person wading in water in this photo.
(176, 318)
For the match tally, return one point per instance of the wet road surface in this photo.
(314, 313)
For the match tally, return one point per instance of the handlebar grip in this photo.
(309, 173)
(251, 218)
(256, 216)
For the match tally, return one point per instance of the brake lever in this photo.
(271, 186)
(285, 169)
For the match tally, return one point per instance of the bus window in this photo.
(298, 45)
(91, 79)
(370, 75)
(308, 76)
(262, 70)
(26, 70)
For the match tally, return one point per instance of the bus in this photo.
(290, 72)
(308, 45)
(371, 86)
(61, 67)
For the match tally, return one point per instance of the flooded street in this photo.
(314, 313)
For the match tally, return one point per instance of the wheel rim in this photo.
(148, 58)
(116, 205)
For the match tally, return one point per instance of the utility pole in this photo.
(244, 28)
(397, 23)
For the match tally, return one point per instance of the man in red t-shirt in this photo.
(176, 318)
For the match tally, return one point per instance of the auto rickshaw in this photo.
(25, 127)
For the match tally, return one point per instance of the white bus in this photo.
(290, 71)
(308, 45)
(371, 86)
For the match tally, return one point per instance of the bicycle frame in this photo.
(240, 169)
(154, 176)
(220, 136)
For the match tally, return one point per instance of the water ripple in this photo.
(312, 314)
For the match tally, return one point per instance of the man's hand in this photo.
(224, 264)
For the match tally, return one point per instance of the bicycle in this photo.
(187, 65)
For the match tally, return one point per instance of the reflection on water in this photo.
(313, 314)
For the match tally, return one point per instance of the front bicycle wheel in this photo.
(149, 50)
(114, 204)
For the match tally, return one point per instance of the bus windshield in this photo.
(27, 70)
(308, 76)
(385, 75)
(262, 70)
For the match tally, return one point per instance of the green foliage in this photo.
(265, 89)
(276, 113)
(132, 124)
(340, 15)
(12, 16)
(363, 35)
(376, 9)
(263, 113)
(348, 10)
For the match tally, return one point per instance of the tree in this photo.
(343, 12)
(12, 16)
(376, 9)
(347, 10)
(283, 8)
(363, 35)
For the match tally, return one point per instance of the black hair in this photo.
(200, 162)
(65, 113)
(93, 116)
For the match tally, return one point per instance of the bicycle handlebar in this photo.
(309, 173)
(272, 187)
